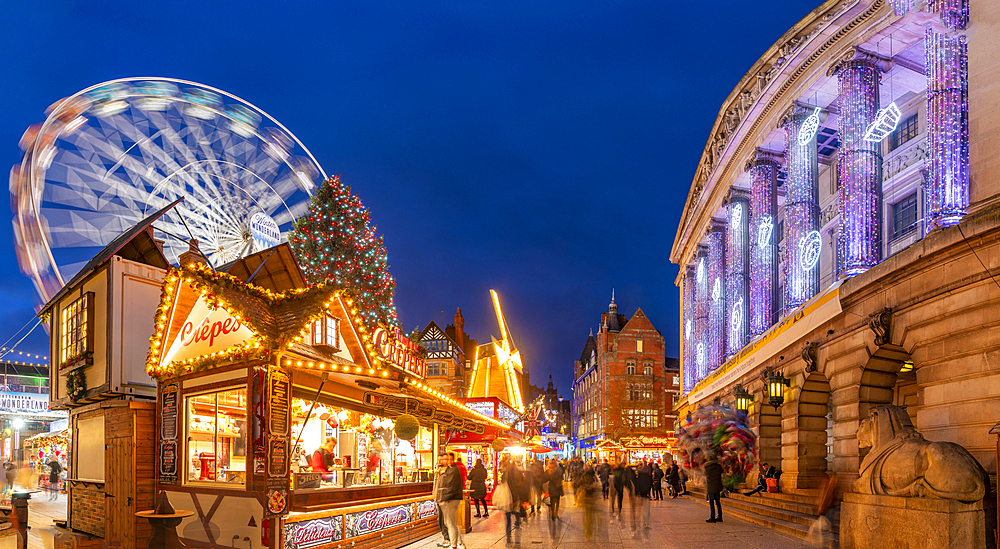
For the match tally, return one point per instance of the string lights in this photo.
(737, 264)
(763, 170)
(690, 301)
(716, 335)
(860, 167)
(335, 241)
(947, 63)
(701, 313)
(801, 208)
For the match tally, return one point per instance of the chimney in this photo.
(193, 254)
(460, 329)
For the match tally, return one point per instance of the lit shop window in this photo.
(75, 326)
(326, 333)
(216, 425)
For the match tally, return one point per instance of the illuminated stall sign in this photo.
(376, 520)
(398, 350)
(313, 533)
(427, 508)
(655, 441)
(30, 403)
(206, 331)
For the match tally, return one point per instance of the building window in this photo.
(216, 425)
(647, 368)
(677, 380)
(76, 328)
(436, 345)
(638, 346)
(437, 369)
(641, 417)
(326, 332)
(904, 216)
(905, 131)
(630, 367)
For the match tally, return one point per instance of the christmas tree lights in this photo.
(334, 241)
(763, 170)
(737, 265)
(859, 168)
(801, 208)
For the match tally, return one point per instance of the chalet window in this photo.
(647, 368)
(216, 426)
(905, 131)
(630, 367)
(326, 332)
(904, 216)
(76, 328)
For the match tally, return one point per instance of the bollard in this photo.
(19, 515)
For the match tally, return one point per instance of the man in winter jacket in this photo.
(657, 482)
(713, 486)
(448, 495)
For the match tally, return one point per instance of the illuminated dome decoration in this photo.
(498, 369)
(110, 155)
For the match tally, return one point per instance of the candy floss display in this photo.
(722, 430)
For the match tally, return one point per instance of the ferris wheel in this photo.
(112, 154)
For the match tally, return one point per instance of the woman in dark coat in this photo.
(477, 482)
(674, 480)
(713, 486)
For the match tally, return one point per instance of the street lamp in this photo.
(776, 383)
(742, 398)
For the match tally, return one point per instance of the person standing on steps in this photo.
(713, 486)
(477, 483)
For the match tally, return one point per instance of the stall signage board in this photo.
(23, 402)
(427, 508)
(648, 441)
(376, 520)
(168, 433)
(486, 408)
(313, 533)
(398, 350)
(206, 331)
(278, 395)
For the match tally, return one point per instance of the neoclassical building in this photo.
(843, 231)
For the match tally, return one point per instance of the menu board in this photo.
(278, 457)
(168, 433)
(376, 520)
(278, 394)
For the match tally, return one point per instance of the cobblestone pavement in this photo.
(676, 523)
(41, 512)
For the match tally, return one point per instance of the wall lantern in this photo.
(776, 384)
(742, 398)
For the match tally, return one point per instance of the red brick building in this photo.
(621, 387)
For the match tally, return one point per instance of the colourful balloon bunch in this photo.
(720, 430)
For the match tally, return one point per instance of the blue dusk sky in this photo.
(542, 149)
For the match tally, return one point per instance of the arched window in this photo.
(630, 367)
(647, 368)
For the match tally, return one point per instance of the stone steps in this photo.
(790, 515)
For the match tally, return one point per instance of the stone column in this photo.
(763, 241)
(701, 313)
(860, 162)
(689, 292)
(801, 205)
(737, 267)
(716, 264)
(947, 65)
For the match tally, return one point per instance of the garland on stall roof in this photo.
(76, 384)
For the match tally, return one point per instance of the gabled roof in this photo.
(136, 244)
(434, 332)
(589, 347)
(639, 321)
(274, 268)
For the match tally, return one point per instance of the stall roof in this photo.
(274, 268)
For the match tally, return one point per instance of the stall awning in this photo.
(45, 439)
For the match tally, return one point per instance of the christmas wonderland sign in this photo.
(397, 349)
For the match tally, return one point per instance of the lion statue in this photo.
(902, 463)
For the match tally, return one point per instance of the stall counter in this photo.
(388, 522)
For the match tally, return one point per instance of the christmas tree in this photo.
(334, 241)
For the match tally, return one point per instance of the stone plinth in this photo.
(886, 521)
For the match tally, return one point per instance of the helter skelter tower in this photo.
(497, 370)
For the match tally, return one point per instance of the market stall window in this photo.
(216, 425)
(326, 332)
(75, 328)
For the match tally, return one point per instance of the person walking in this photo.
(674, 480)
(449, 496)
(438, 474)
(713, 486)
(54, 469)
(461, 469)
(641, 488)
(684, 482)
(604, 473)
(10, 473)
(553, 484)
(477, 483)
(514, 477)
(618, 479)
(657, 482)
(537, 478)
(585, 487)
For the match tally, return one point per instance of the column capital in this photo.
(738, 194)
(856, 56)
(795, 114)
(764, 157)
(717, 225)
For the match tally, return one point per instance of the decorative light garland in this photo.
(690, 289)
(716, 335)
(702, 306)
(859, 245)
(737, 266)
(947, 62)
(763, 170)
(801, 209)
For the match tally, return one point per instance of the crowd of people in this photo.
(524, 489)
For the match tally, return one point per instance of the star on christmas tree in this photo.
(334, 241)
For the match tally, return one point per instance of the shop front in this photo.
(650, 447)
(283, 423)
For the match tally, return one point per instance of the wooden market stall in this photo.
(284, 423)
